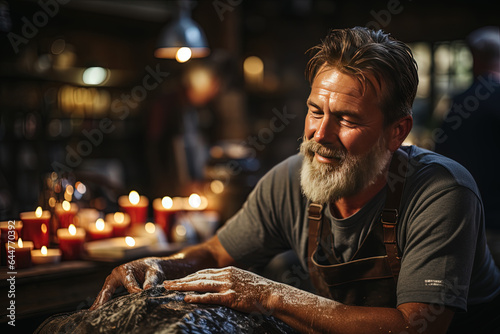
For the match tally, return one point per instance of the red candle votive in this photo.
(65, 213)
(120, 222)
(19, 254)
(136, 206)
(71, 242)
(36, 227)
(9, 230)
(165, 211)
(99, 230)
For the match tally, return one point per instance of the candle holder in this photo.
(65, 213)
(99, 230)
(120, 222)
(165, 211)
(19, 254)
(136, 206)
(71, 242)
(9, 230)
(36, 227)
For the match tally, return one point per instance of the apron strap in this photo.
(390, 213)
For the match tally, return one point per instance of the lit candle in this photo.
(36, 226)
(165, 211)
(71, 241)
(9, 230)
(136, 206)
(196, 202)
(44, 256)
(19, 254)
(100, 230)
(65, 212)
(120, 223)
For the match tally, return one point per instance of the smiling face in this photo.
(344, 137)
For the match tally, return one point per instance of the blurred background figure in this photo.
(469, 133)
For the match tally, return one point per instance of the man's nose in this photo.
(327, 131)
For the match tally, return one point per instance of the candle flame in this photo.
(130, 241)
(119, 217)
(43, 227)
(150, 228)
(66, 205)
(20, 243)
(194, 201)
(72, 229)
(99, 224)
(167, 202)
(134, 197)
(44, 251)
(38, 212)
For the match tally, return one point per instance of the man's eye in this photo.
(347, 122)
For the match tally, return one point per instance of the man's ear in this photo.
(398, 131)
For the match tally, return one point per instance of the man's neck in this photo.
(347, 206)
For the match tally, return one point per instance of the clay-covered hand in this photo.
(134, 276)
(232, 287)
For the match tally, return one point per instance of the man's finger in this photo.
(130, 282)
(152, 279)
(109, 287)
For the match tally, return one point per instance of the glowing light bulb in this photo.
(44, 250)
(167, 202)
(99, 224)
(130, 241)
(72, 229)
(134, 197)
(38, 212)
(183, 55)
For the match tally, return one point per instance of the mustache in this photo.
(310, 147)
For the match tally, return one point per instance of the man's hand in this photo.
(232, 287)
(146, 272)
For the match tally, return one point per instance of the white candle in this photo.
(44, 255)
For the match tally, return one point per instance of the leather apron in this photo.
(370, 277)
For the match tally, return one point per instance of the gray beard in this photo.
(324, 183)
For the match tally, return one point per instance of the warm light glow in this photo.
(44, 250)
(194, 201)
(130, 241)
(94, 75)
(52, 202)
(99, 224)
(167, 202)
(69, 189)
(66, 205)
(80, 187)
(217, 186)
(253, 65)
(43, 228)
(72, 229)
(150, 227)
(134, 197)
(38, 212)
(183, 55)
(119, 217)
(20, 243)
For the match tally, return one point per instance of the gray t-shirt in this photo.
(441, 230)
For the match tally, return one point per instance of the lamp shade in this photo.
(183, 32)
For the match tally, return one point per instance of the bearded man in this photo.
(392, 237)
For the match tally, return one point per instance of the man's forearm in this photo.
(310, 313)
